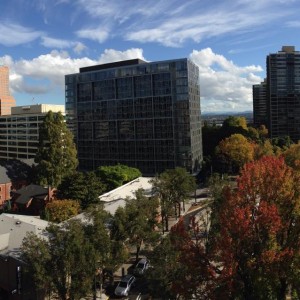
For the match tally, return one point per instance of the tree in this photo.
(235, 150)
(136, 223)
(56, 156)
(173, 187)
(258, 247)
(233, 121)
(115, 176)
(61, 210)
(35, 253)
(292, 156)
(263, 149)
(181, 267)
(84, 187)
(69, 263)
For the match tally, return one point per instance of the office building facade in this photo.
(260, 116)
(145, 115)
(19, 132)
(283, 93)
(6, 100)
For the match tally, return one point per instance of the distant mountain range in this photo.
(227, 113)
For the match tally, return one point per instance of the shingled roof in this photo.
(28, 192)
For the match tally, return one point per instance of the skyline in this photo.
(229, 40)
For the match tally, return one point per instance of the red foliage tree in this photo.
(195, 274)
(259, 240)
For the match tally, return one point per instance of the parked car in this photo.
(141, 267)
(125, 285)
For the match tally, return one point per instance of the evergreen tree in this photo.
(56, 156)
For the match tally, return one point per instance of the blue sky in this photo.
(42, 40)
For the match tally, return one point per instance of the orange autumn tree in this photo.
(292, 156)
(235, 151)
(258, 247)
(61, 210)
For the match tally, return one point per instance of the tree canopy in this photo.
(136, 223)
(56, 156)
(236, 150)
(115, 176)
(83, 187)
(258, 247)
(173, 186)
(61, 210)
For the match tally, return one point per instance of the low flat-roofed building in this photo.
(19, 132)
(117, 197)
(13, 229)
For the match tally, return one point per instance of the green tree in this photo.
(69, 263)
(56, 156)
(233, 121)
(61, 210)
(36, 254)
(164, 261)
(115, 176)
(84, 187)
(173, 187)
(136, 223)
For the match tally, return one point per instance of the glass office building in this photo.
(283, 93)
(144, 115)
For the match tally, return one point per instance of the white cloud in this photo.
(224, 86)
(53, 43)
(56, 43)
(12, 34)
(46, 72)
(96, 34)
(173, 22)
(295, 24)
(79, 48)
(111, 55)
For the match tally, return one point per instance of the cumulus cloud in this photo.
(224, 86)
(111, 55)
(45, 72)
(53, 43)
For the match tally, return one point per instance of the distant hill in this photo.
(230, 113)
(218, 117)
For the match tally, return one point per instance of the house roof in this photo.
(27, 192)
(3, 175)
(14, 228)
(14, 169)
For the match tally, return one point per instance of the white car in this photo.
(141, 267)
(125, 285)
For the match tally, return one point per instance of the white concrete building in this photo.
(19, 132)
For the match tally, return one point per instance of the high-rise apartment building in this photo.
(283, 93)
(6, 100)
(145, 115)
(19, 132)
(260, 116)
